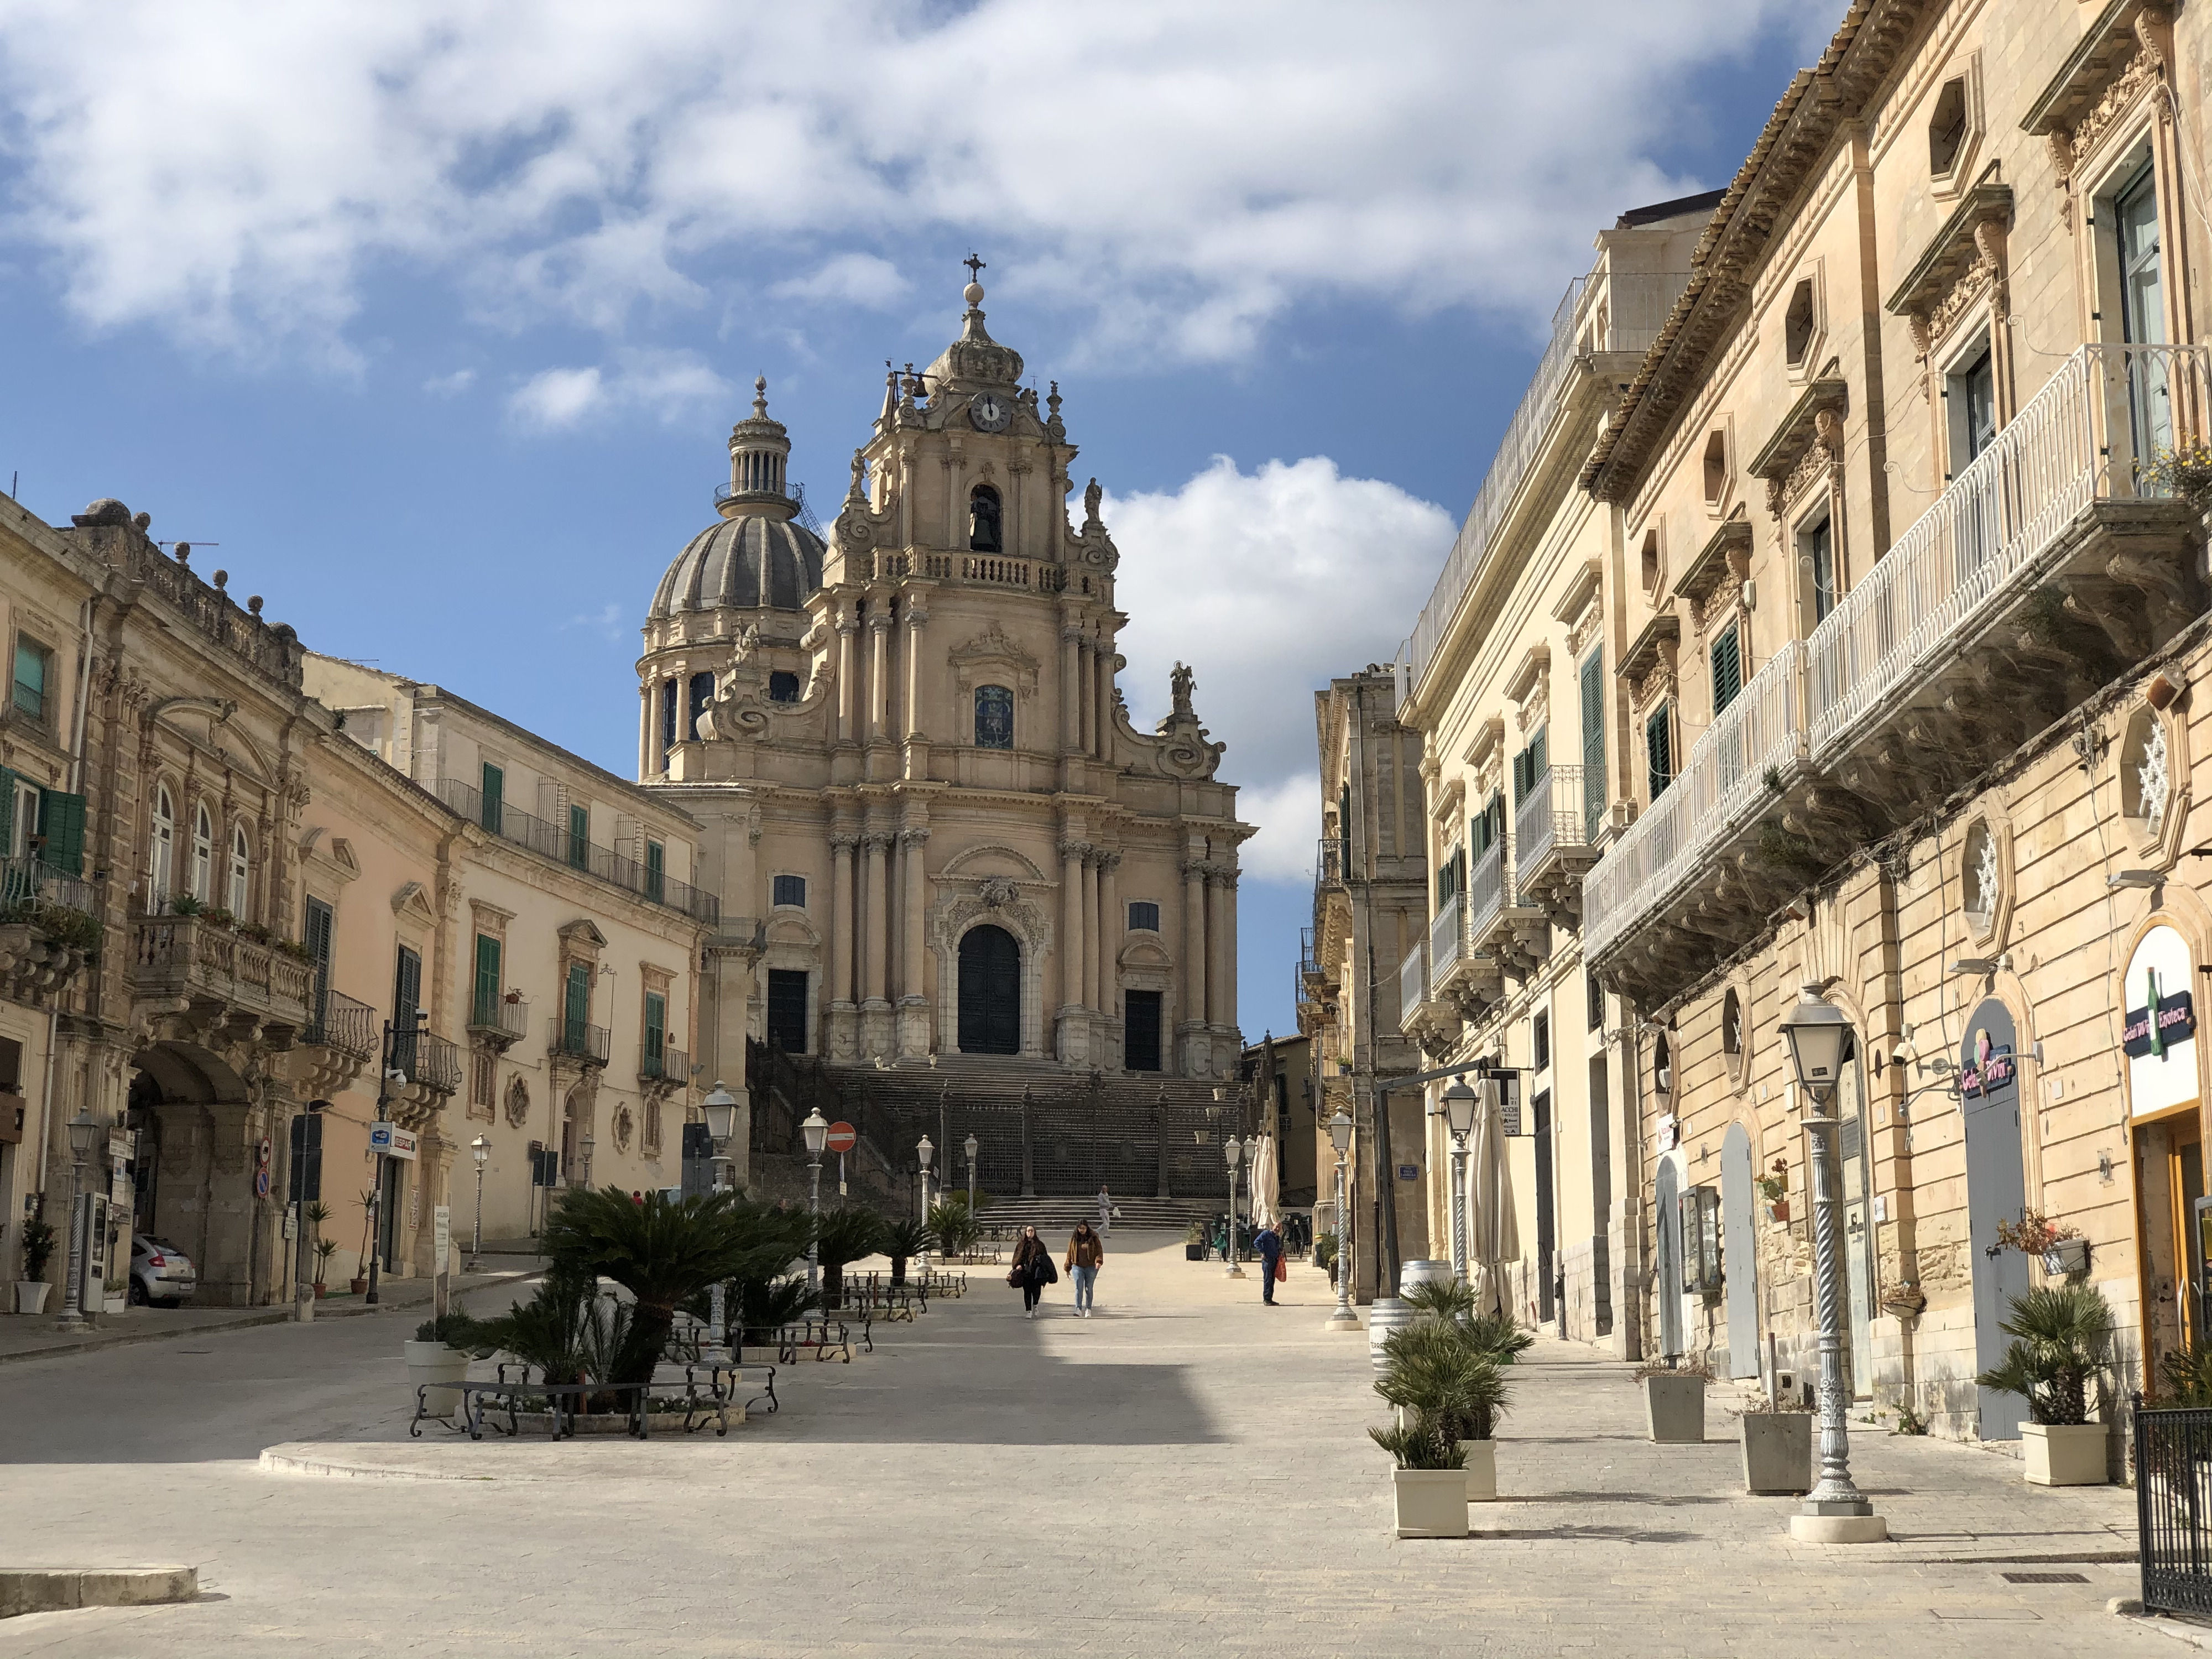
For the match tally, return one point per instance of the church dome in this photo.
(748, 563)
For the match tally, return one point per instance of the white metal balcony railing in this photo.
(1620, 311)
(1412, 983)
(2086, 435)
(1485, 888)
(1554, 813)
(1445, 935)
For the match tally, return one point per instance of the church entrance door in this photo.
(990, 992)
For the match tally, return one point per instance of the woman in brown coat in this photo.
(1086, 1253)
(1033, 1271)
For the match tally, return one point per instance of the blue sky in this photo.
(435, 320)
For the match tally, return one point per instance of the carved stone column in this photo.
(1110, 930)
(913, 1002)
(1088, 951)
(1072, 854)
(645, 757)
(879, 674)
(1071, 693)
(1225, 972)
(1218, 903)
(1086, 677)
(848, 658)
(916, 618)
(1193, 965)
(842, 920)
(875, 917)
(1104, 748)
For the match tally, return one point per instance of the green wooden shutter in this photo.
(61, 821)
(578, 1012)
(1727, 668)
(1659, 751)
(656, 1032)
(495, 796)
(8, 813)
(656, 872)
(315, 934)
(487, 1000)
(1539, 755)
(580, 836)
(407, 1001)
(1592, 744)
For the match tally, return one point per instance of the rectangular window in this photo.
(1448, 878)
(790, 889)
(1542, 1041)
(495, 797)
(406, 1000)
(1595, 992)
(33, 664)
(1592, 744)
(1143, 915)
(667, 720)
(1971, 393)
(1529, 766)
(61, 830)
(579, 836)
(1817, 547)
(1659, 749)
(576, 1007)
(484, 1079)
(24, 829)
(1727, 667)
(321, 920)
(1141, 1028)
(786, 1009)
(656, 1034)
(656, 872)
(486, 1011)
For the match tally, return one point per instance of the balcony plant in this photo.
(184, 904)
(2061, 1341)
(1778, 1449)
(38, 1249)
(2185, 471)
(1674, 1400)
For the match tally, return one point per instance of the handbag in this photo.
(1282, 1269)
(1051, 1275)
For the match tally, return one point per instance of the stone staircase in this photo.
(1054, 1218)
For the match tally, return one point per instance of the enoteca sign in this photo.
(1988, 1065)
(2159, 1032)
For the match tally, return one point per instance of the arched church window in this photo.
(983, 535)
(702, 693)
(994, 717)
(160, 845)
(202, 853)
(782, 686)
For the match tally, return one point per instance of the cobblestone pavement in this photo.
(1186, 1473)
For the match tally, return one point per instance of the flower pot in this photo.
(1674, 1407)
(359, 1287)
(1385, 1315)
(2063, 1454)
(1777, 1451)
(31, 1295)
(1430, 1503)
(322, 1291)
(433, 1362)
(1193, 1252)
(1778, 1211)
(1481, 1469)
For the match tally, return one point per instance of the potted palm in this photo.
(439, 1352)
(38, 1249)
(1674, 1400)
(2061, 1337)
(1778, 1449)
(1429, 1483)
(903, 1239)
(1438, 1371)
(325, 1249)
(1194, 1241)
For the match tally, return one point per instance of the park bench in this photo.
(822, 1337)
(706, 1388)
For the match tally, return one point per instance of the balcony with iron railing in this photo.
(553, 842)
(341, 1023)
(1601, 313)
(579, 1041)
(1553, 825)
(428, 1065)
(500, 1020)
(1412, 985)
(2054, 560)
(671, 1065)
(31, 885)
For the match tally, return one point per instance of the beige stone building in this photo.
(933, 827)
(1905, 627)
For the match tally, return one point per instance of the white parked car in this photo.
(161, 1274)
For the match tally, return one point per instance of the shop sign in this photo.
(2158, 1031)
(2176, 1021)
(392, 1140)
(1988, 1066)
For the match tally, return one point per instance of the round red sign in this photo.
(841, 1138)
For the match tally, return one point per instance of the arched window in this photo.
(161, 845)
(241, 873)
(994, 717)
(202, 853)
(983, 536)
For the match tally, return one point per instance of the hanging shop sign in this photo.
(2159, 1032)
(392, 1140)
(1988, 1065)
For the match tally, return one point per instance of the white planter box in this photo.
(2063, 1454)
(1481, 1470)
(433, 1362)
(1777, 1451)
(31, 1295)
(1674, 1408)
(1430, 1503)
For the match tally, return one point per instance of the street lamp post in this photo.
(923, 1151)
(1836, 1511)
(721, 1110)
(389, 1072)
(479, 1149)
(83, 1129)
(816, 1131)
(588, 1143)
(1339, 1136)
(1460, 1102)
(973, 1147)
(1233, 1150)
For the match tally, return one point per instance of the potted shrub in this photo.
(1438, 1371)
(1675, 1401)
(1774, 1187)
(1194, 1241)
(1778, 1449)
(38, 1249)
(325, 1249)
(1324, 1252)
(439, 1352)
(1429, 1484)
(903, 1239)
(2061, 1336)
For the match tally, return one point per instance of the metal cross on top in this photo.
(976, 268)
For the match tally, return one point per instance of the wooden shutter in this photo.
(8, 812)
(578, 1012)
(494, 796)
(656, 1029)
(580, 836)
(406, 987)
(1727, 668)
(315, 934)
(61, 821)
(656, 872)
(1659, 751)
(1592, 744)
(487, 1008)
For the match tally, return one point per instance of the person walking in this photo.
(1086, 1253)
(1269, 1243)
(1106, 1211)
(1032, 1272)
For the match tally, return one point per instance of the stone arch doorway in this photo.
(990, 992)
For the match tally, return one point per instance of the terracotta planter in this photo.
(2063, 1454)
(1430, 1503)
(1674, 1408)
(1777, 1451)
(1481, 1470)
(31, 1295)
(360, 1287)
(1778, 1211)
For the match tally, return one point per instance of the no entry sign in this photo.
(841, 1138)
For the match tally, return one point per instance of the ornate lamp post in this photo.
(816, 1131)
(480, 1150)
(1836, 1511)
(1233, 1151)
(1459, 1103)
(84, 1128)
(588, 1143)
(720, 1107)
(923, 1152)
(1339, 1136)
(973, 1147)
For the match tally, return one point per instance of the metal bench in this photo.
(824, 1336)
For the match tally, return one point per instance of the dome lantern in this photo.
(760, 450)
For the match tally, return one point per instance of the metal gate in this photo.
(2174, 1509)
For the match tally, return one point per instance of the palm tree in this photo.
(843, 1236)
(2062, 1335)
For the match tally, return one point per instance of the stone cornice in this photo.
(1653, 647)
(1799, 430)
(2107, 46)
(1953, 251)
(1727, 554)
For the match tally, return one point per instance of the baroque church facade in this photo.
(933, 826)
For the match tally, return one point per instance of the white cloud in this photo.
(232, 171)
(1267, 584)
(665, 385)
(450, 385)
(859, 279)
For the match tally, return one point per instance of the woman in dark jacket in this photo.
(1033, 1270)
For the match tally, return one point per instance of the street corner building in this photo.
(1833, 614)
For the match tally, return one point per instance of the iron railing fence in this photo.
(554, 842)
(1551, 814)
(32, 883)
(1447, 934)
(1412, 983)
(337, 1021)
(576, 1039)
(1486, 887)
(2173, 1507)
(495, 1012)
(426, 1060)
(671, 1065)
(1607, 312)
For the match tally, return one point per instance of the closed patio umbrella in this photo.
(1494, 1230)
(1267, 1186)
